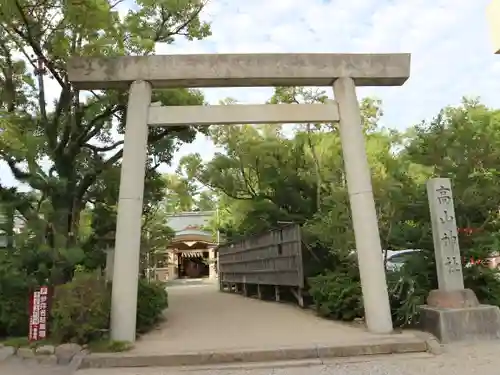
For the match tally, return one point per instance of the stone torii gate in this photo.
(140, 75)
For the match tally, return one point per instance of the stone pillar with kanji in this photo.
(453, 312)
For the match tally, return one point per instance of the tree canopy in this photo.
(66, 145)
(265, 176)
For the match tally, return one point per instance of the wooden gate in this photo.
(270, 259)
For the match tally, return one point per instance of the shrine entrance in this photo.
(141, 74)
(193, 267)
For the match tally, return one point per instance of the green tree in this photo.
(100, 216)
(179, 194)
(262, 168)
(206, 201)
(266, 175)
(463, 143)
(7, 216)
(67, 143)
(156, 234)
(270, 177)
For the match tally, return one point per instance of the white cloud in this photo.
(448, 39)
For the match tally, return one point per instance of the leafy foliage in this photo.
(65, 145)
(337, 294)
(60, 142)
(408, 287)
(15, 286)
(80, 309)
(266, 175)
(151, 303)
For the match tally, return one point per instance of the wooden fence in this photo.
(273, 259)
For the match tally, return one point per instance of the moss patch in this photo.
(105, 345)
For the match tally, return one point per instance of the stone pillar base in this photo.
(456, 299)
(457, 316)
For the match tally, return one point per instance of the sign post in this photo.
(453, 312)
(39, 314)
(445, 235)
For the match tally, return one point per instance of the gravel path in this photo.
(458, 359)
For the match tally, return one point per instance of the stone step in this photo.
(383, 346)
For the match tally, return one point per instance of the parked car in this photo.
(397, 258)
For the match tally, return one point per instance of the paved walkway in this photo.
(200, 318)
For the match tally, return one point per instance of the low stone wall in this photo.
(65, 354)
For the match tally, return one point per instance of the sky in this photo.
(452, 54)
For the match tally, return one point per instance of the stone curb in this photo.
(433, 344)
(64, 355)
(394, 346)
(76, 361)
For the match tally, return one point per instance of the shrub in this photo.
(151, 302)
(337, 294)
(21, 270)
(408, 287)
(80, 309)
(14, 300)
(484, 282)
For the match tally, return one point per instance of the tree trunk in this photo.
(65, 219)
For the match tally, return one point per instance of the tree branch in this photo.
(9, 86)
(21, 175)
(104, 148)
(246, 180)
(30, 39)
(63, 103)
(97, 123)
(20, 202)
(91, 177)
(195, 14)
